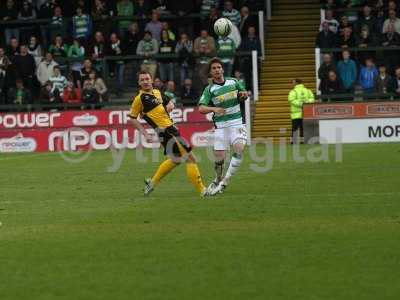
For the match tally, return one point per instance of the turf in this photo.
(323, 230)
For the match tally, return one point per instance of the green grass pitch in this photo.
(301, 231)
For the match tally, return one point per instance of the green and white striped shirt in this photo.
(233, 15)
(226, 96)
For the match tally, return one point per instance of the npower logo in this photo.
(202, 139)
(18, 144)
(85, 120)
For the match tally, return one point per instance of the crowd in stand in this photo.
(52, 51)
(368, 34)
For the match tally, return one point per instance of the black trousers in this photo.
(297, 124)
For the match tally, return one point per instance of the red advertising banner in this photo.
(321, 111)
(95, 130)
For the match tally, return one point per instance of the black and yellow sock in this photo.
(193, 174)
(165, 167)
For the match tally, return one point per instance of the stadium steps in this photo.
(290, 37)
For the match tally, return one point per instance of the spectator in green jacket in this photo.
(297, 97)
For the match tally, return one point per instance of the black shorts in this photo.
(174, 145)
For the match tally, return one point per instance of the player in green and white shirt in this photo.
(222, 97)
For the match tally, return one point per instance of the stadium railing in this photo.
(251, 56)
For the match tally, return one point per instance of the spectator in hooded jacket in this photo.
(368, 73)
(347, 70)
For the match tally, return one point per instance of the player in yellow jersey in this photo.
(154, 108)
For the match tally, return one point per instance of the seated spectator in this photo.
(347, 40)
(184, 49)
(45, 69)
(391, 39)
(226, 50)
(325, 38)
(188, 94)
(58, 81)
(26, 13)
(368, 73)
(35, 49)
(326, 67)
(72, 94)
(81, 25)
(117, 66)
(19, 94)
(154, 26)
(100, 86)
(58, 24)
(148, 47)
(396, 83)
(89, 93)
(332, 86)
(246, 21)
(167, 47)
(332, 23)
(383, 82)
(347, 71)
(170, 91)
(9, 12)
(391, 5)
(76, 51)
(367, 20)
(124, 9)
(393, 20)
(231, 13)
(48, 95)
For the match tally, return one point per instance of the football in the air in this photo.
(223, 27)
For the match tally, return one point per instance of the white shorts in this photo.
(225, 137)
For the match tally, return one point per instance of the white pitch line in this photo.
(27, 156)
